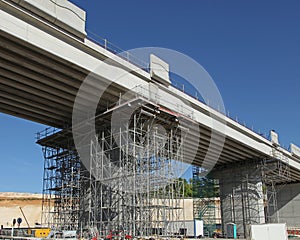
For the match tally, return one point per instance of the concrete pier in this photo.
(288, 204)
(241, 195)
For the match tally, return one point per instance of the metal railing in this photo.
(46, 132)
(127, 56)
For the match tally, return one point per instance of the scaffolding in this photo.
(204, 201)
(61, 184)
(248, 190)
(131, 185)
(275, 175)
(241, 194)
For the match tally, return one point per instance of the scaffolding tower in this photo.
(61, 182)
(204, 200)
(241, 194)
(275, 175)
(248, 190)
(131, 185)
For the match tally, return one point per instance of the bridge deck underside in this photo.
(231, 152)
(41, 87)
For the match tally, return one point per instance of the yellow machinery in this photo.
(36, 232)
(41, 232)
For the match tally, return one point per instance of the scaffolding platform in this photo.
(131, 182)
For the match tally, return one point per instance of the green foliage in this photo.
(205, 187)
(181, 186)
(188, 188)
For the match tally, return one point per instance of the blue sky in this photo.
(250, 48)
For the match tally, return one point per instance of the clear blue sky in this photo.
(250, 48)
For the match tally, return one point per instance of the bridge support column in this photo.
(288, 205)
(241, 195)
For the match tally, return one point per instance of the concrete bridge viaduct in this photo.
(45, 55)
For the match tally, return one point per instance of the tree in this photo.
(188, 188)
(205, 187)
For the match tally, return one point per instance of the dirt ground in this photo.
(10, 204)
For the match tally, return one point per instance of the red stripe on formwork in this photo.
(169, 111)
(294, 232)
